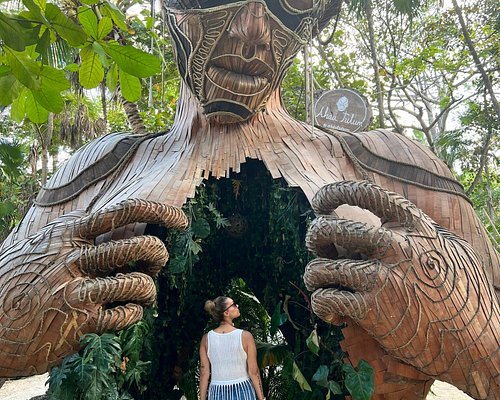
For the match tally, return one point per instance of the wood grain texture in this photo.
(421, 293)
(221, 122)
(168, 167)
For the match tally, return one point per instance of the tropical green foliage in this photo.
(34, 88)
(359, 382)
(257, 260)
(107, 367)
(17, 185)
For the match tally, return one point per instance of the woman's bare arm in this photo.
(253, 368)
(204, 368)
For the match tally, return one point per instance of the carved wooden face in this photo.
(234, 54)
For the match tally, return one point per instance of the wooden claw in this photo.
(118, 318)
(136, 287)
(356, 275)
(388, 206)
(331, 305)
(325, 231)
(128, 212)
(107, 257)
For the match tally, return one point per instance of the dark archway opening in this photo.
(262, 252)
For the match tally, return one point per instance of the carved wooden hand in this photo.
(56, 285)
(418, 289)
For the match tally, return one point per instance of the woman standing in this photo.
(229, 355)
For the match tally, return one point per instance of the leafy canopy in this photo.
(33, 87)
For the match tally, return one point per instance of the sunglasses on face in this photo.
(233, 304)
(295, 6)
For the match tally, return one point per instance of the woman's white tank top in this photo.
(228, 360)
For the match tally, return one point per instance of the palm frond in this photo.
(269, 354)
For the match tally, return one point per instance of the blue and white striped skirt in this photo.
(242, 390)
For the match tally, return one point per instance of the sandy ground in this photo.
(24, 389)
(27, 388)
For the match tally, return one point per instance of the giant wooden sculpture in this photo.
(418, 297)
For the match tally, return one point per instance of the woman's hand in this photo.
(56, 285)
(417, 288)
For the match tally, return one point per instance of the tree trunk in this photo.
(373, 53)
(134, 119)
(104, 104)
(490, 209)
(484, 76)
(45, 140)
(55, 157)
(151, 49)
(482, 162)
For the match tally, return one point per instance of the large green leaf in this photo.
(132, 340)
(133, 61)
(105, 60)
(300, 379)
(91, 72)
(88, 20)
(104, 27)
(193, 246)
(130, 87)
(360, 382)
(4, 70)
(68, 30)
(9, 89)
(313, 342)
(103, 351)
(53, 78)
(43, 43)
(18, 106)
(42, 4)
(34, 110)
(278, 318)
(60, 377)
(10, 33)
(178, 264)
(334, 387)
(110, 10)
(22, 68)
(321, 376)
(35, 11)
(48, 98)
(112, 77)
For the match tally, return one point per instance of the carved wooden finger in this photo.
(107, 257)
(324, 232)
(130, 211)
(136, 287)
(388, 206)
(118, 318)
(355, 275)
(331, 305)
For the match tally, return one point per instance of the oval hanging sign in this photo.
(343, 109)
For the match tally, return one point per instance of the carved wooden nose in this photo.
(251, 25)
